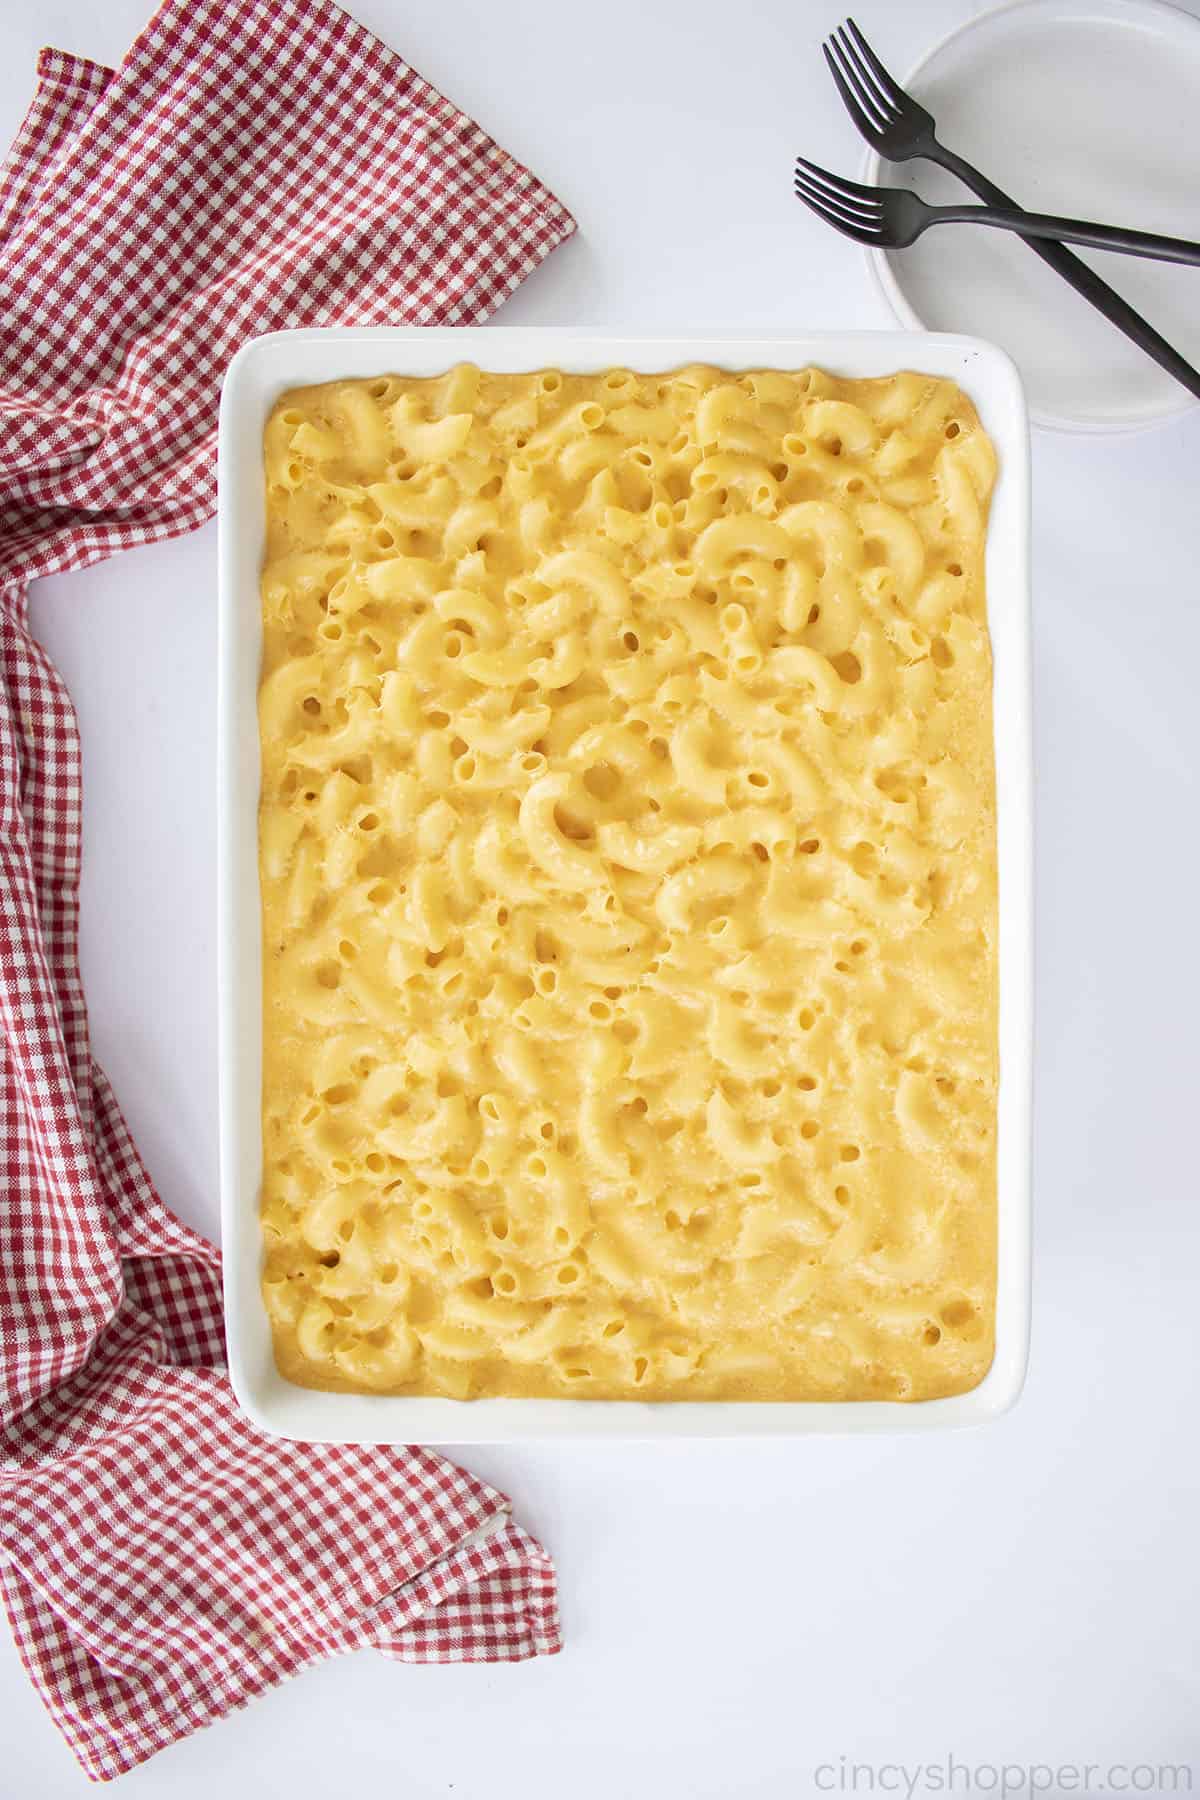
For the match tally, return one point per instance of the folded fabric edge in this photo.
(505, 1550)
(508, 168)
(67, 69)
(528, 189)
(66, 89)
(498, 1548)
(167, 29)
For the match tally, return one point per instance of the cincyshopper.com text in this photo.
(950, 1776)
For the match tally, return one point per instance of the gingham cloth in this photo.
(252, 164)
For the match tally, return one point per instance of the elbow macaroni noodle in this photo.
(629, 893)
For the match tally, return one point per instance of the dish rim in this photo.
(261, 370)
(878, 261)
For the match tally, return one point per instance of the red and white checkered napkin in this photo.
(252, 164)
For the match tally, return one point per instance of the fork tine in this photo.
(855, 225)
(852, 193)
(869, 221)
(870, 105)
(860, 75)
(851, 231)
(888, 84)
(864, 125)
(858, 229)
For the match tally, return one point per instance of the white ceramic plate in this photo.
(257, 375)
(1088, 109)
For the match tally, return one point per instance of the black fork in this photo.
(900, 129)
(892, 218)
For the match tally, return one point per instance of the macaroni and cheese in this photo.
(629, 896)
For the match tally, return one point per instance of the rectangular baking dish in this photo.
(256, 377)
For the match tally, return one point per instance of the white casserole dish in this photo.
(257, 375)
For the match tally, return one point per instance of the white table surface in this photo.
(738, 1616)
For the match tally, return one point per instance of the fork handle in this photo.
(1072, 231)
(1084, 280)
